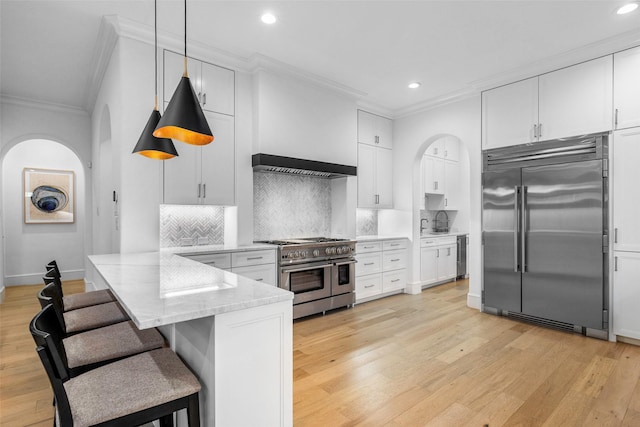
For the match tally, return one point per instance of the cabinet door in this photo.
(369, 263)
(366, 176)
(451, 149)
(626, 175)
(374, 130)
(384, 178)
(443, 255)
(394, 260)
(436, 149)
(423, 165)
(173, 67)
(626, 294)
(626, 88)
(394, 280)
(368, 286)
(576, 100)
(428, 265)
(434, 175)
(452, 181)
(265, 273)
(182, 176)
(218, 162)
(509, 114)
(218, 89)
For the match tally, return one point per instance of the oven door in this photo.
(308, 282)
(344, 277)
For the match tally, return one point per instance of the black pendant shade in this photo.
(183, 118)
(152, 147)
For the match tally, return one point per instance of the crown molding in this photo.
(105, 45)
(42, 105)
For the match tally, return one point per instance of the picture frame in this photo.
(49, 196)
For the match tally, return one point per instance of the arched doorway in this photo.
(29, 245)
(106, 231)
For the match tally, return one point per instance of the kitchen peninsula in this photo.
(234, 333)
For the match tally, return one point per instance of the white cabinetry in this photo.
(259, 265)
(626, 88)
(441, 174)
(214, 85)
(204, 174)
(437, 259)
(381, 268)
(626, 294)
(572, 101)
(374, 130)
(626, 233)
(375, 181)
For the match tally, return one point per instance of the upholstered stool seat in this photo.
(129, 385)
(109, 343)
(96, 316)
(76, 301)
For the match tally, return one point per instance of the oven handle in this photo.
(351, 261)
(306, 267)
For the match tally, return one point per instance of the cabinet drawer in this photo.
(394, 260)
(437, 241)
(369, 263)
(239, 259)
(262, 273)
(388, 245)
(214, 259)
(367, 286)
(364, 247)
(394, 280)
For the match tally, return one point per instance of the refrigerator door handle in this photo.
(523, 229)
(516, 229)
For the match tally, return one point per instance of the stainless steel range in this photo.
(319, 271)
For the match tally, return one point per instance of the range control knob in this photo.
(327, 251)
(346, 249)
(290, 255)
(303, 254)
(338, 251)
(316, 252)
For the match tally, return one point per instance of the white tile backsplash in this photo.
(287, 206)
(186, 225)
(366, 222)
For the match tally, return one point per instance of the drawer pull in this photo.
(394, 244)
(394, 260)
(368, 247)
(254, 258)
(259, 280)
(368, 263)
(397, 280)
(369, 286)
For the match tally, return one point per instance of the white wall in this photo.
(412, 134)
(23, 121)
(294, 118)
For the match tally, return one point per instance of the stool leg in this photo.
(193, 411)
(166, 421)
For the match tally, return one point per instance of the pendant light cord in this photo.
(186, 74)
(155, 45)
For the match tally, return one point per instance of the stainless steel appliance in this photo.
(545, 233)
(319, 271)
(461, 260)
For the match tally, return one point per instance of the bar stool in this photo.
(82, 319)
(131, 391)
(75, 301)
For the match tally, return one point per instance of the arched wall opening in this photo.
(426, 206)
(29, 246)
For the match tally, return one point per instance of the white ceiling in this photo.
(374, 47)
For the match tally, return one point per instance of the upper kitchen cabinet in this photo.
(626, 210)
(214, 85)
(626, 88)
(510, 114)
(444, 148)
(204, 174)
(576, 100)
(374, 130)
(375, 181)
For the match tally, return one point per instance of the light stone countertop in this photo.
(162, 288)
(451, 233)
(376, 237)
(204, 249)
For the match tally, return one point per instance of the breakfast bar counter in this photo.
(234, 333)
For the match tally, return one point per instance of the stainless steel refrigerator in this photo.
(545, 233)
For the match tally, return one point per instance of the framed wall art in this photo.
(48, 196)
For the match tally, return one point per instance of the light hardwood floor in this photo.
(408, 360)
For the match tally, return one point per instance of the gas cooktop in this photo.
(309, 249)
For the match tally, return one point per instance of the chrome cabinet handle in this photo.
(204, 99)
(446, 203)
(255, 257)
(397, 280)
(394, 244)
(437, 253)
(369, 286)
(368, 263)
(615, 120)
(377, 139)
(615, 235)
(539, 130)
(204, 191)
(259, 280)
(448, 251)
(535, 131)
(394, 260)
(615, 263)
(199, 187)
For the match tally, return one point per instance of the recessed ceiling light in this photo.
(414, 85)
(629, 7)
(268, 18)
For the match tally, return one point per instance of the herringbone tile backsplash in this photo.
(287, 206)
(366, 222)
(191, 225)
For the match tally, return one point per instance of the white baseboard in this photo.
(413, 288)
(2, 294)
(36, 278)
(89, 286)
(474, 301)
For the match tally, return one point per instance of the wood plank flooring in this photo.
(406, 360)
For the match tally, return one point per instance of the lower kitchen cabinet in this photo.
(626, 294)
(259, 265)
(381, 268)
(437, 259)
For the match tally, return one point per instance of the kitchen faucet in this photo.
(424, 225)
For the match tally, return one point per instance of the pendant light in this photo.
(148, 145)
(183, 119)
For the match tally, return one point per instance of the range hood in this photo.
(293, 166)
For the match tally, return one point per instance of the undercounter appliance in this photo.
(319, 271)
(545, 233)
(461, 259)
